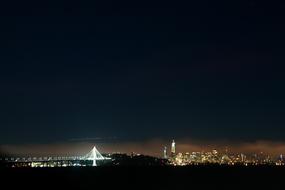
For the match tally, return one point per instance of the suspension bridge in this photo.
(94, 155)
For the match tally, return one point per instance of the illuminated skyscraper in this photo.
(165, 153)
(173, 148)
(281, 158)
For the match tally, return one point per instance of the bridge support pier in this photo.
(94, 163)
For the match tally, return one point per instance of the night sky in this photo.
(202, 70)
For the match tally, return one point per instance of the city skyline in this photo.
(80, 158)
(153, 147)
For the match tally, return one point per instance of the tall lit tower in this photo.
(165, 153)
(173, 148)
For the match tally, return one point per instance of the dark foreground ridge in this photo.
(202, 177)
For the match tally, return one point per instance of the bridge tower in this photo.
(94, 155)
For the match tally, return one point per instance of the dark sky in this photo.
(204, 70)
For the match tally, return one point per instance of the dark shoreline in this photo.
(117, 177)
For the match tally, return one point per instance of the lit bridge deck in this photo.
(94, 155)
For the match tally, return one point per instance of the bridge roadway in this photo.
(94, 155)
(44, 159)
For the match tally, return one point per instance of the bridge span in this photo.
(94, 155)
